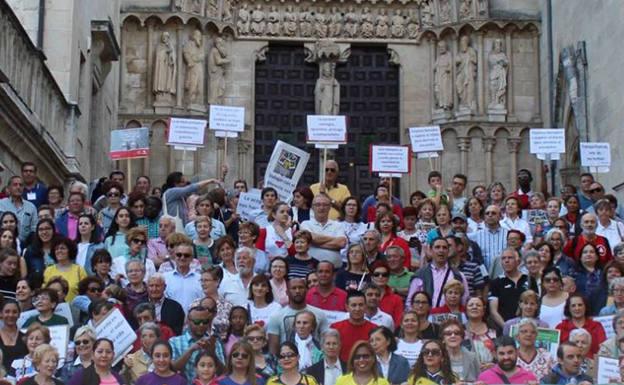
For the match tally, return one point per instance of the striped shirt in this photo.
(491, 242)
(476, 275)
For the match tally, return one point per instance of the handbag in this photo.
(179, 225)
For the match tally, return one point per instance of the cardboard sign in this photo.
(326, 129)
(389, 159)
(285, 168)
(248, 203)
(117, 329)
(547, 142)
(59, 339)
(608, 371)
(186, 132)
(607, 324)
(130, 143)
(62, 309)
(426, 139)
(596, 156)
(227, 118)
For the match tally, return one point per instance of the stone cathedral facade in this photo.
(471, 66)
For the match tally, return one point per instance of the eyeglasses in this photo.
(138, 241)
(95, 289)
(242, 355)
(618, 291)
(113, 194)
(287, 356)
(449, 333)
(82, 342)
(330, 170)
(255, 338)
(596, 190)
(184, 255)
(431, 352)
(381, 275)
(361, 357)
(198, 322)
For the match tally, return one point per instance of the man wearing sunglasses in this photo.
(183, 283)
(336, 191)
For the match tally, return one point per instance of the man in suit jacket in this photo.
(326, 371)
(168, 311)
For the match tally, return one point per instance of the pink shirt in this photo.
(438, 280)
(72, 226)
(491, 376)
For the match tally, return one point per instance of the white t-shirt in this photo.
(409, 350)
(263, 314)
(274, 245)
(81, 257)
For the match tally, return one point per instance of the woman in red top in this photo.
(389, 302)
(382, 195)
(577, 312)
(387, 225)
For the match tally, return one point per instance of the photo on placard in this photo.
(287, 164)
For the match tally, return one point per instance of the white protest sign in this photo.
(62, 309)
(326, 129)
(227, 118)
(596, 156)
(608, 371)
(284, 169)
(117, 329)
(426, 139)
(425, 155)
(607, 324)
(248, 202)
(547, 142)
(59, 338)
(189, 132)
(389, 159)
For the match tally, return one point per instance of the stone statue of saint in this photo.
(427, 14)
(273, 22)
(290, 22)
(226, 14)
(466, 63)
(381, 29)
(443, 78)
(194, 58)
(212, 8)
(413, 24)
(482, 7)
(445, 11)
(257, 21)
(305, 22)
(320, 24)
(327, 91)
(398, 24)
(351, 24)
(165, 69)
(498, 63)
(335, 26)
(244, 20)
(367, 28)
(465, 9)
(217, 61)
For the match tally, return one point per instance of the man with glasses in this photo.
(25, 211)
(198, 337)
(506, 371)
(493, 238)
(67, 223)
(337, 192)
(34, 191)
(166, 310)
(157, 247)
(328, 236)
(183, 284)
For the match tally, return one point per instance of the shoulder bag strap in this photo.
(448, 272)
(503, 377)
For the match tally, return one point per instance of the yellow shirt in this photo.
(338, 193)
(306, 379)
(73, 275)
(420, 381)
(347, 379)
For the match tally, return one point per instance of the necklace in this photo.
(10, 338)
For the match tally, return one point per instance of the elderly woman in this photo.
(453, 291)
(136, 288)
(539, 361)
(45, 359)
(464, 363)
(22, 367)
(616, 290)
(602, 296)
(210, 279)
(309, 348)
(138, 363)
(528, 307)
(83, 346)
(607, 227)
(610, 348)
(582, 339)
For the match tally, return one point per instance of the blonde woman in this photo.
(45, 359)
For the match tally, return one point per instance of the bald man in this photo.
(336, 191)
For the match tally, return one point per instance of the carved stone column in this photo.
(510, 81)
(180, 60)
(513, 144)
(481, 74)
(463, 144)
(488, 147)
(150, 64)
(536, 63)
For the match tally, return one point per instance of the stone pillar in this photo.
(180, 65)
(536, 63)
(150, 65)
(510, 81)
(513, 144)
(463, 144)
(481, 75)
(488, 146)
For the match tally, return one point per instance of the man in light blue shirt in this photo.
(25, 211)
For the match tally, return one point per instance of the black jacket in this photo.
(318, 371)
(172, 315)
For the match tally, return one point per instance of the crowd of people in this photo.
(449, 286)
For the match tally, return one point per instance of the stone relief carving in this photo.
(465, 9)
(335, 27)
(306, 22)
(244, 20)
(290, 22)
(466, 75)
(413, 25)
(212, 8)
(381, 28)
(273, 22)
(351, 23)
(427, 13)
(367, 27)
(398, 24)
(320, 26)
(194, 58)
(445, 11)
(327, 91)
(218, 59)
(164, 85)
(257, 21)
(443, 78)
(190, 6)
(482, 7)
(226, 14)
(498, 63)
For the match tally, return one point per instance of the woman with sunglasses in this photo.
(89, 240)
(389, 302)
(288, 358)
(257, 338)
(240, 368)
(464, 363)
(136, 239)
(390, 365)
(113, 192)
(554, 297)
(362, 367)
(433, 366)
(83, 346)
(89, 290)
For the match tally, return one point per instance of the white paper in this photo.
(248, 202)
(608, 370)
(62, 309)
(327, 129)
(285, 168)
(595, 154)
(184, 148)
(227, 118)
(116, 328)
(426, 139)
(389, 175)
(425, 155)
(226, 134)
(607, 324)
(189, 132)
(59, 338)
(327, 146)
(389, 159)
(547, 140)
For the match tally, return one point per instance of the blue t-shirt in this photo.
(226, 380)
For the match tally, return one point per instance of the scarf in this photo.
(305, 351)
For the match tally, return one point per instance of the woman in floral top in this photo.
(537, 361)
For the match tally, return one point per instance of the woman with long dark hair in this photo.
(288, 357)
(240, 368)
(362, 367)
(100, 372)
(115, 241)
(433, 366)
(391, 366)
(163, 372)
(89, 240)
(38, 253)
(175, 191)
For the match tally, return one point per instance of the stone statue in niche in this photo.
(381, 29)
(320, 26)
(165, 70)
(226, 14)
(327, 91)
(445, 11)
(306, 18)
(244, 20)
(466, 75)
(367, 28)
(398, 24)
(443, 78)
(194, 58)
(482, 7)
(335, 25)
(498, 63)
(217, 61)
(465, 9)
(413, 24)
(427, 14)
(351, 23)
(196, 7)
(212, 8)
(290, 22)
(257, 21)
(273, 22)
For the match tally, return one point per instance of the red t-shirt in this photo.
(350, 334)
(402, 243)
(335, 301)
(392, 304)
(574, 246)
